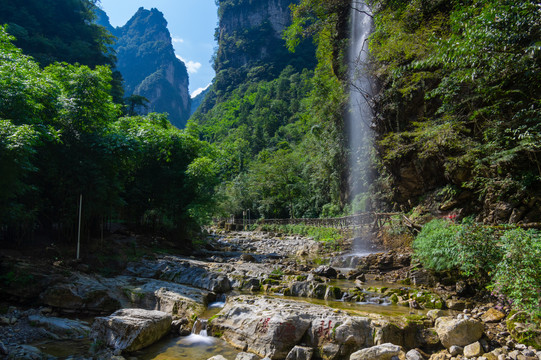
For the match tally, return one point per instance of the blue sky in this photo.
(191, 24)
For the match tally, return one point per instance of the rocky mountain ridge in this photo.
(149, 66)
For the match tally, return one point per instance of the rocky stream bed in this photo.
(251, 295)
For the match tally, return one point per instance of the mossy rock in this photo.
(287, 292)
(271, 281)
(524, 330)
(335, 292)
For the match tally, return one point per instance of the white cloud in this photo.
(199, 91)
(178, 40)
(192, 66)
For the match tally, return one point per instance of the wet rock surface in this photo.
(274, 327)
(131, 329)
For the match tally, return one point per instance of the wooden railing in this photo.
(373, 219)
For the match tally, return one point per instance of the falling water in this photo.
(359, 118)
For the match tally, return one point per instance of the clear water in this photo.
(192, 347)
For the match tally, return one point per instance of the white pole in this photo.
(79, 231)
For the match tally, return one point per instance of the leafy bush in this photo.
(518, 275)
(436, 246)
(479, 253)
(508, 261)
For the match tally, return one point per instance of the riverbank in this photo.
(272, 280)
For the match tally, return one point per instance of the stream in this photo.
(198, 345)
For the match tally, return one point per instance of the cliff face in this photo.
(250, 34)
(149, 66)
(253, 14)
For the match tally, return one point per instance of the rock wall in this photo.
(250, 34)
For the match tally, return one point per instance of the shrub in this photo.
(436, 246)
(479, 253)
(518, 275)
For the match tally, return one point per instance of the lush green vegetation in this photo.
(460, 98)
(506, 261)
(60, 30)
(277, 123)
(323, 234)
(61, 136)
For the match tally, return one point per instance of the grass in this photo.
(322, 234)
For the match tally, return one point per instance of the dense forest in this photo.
(275, 117)
(61, 135)
(456, 119)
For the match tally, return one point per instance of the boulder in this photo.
(131, 329)
(386, 351)
(175, 299)
(83, 293)
(456, 350)
(181, 271)
(326, 271)
(300, 353)
(473, 350)
(434, 314)
(414, 355)
(458, 332)
(492, 315)
(217, 357)
(455, 304)
(422, 277)
(191, 273)
(271, 327)
(246, 356)
(524, 330)
(248, 258)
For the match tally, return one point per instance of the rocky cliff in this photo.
(250, 35)
(149, 66)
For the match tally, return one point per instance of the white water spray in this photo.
(359, 117)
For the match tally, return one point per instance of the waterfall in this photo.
(359, 117)
(200, 327)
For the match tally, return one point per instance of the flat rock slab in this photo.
(271, 327)
(131, 329)
(59, 326)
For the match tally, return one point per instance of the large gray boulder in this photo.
(386, 351)
(175, 299)
(460, 332)
(82, 293)
(182, 271)
(271, 327)
(131, 329)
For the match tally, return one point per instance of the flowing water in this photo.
(359, 117)
(196, 346)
